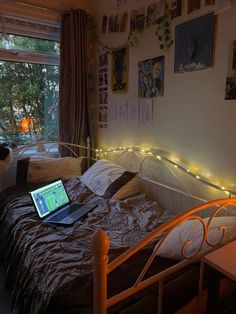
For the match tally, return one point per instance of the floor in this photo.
(5, 298)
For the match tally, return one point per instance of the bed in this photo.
(54, 269)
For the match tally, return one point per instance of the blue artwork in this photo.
(193, 44)
(151, 77)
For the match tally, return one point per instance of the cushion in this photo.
(193, 230)
(42, 169)
(109, 180)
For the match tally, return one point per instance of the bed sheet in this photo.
(49, 268)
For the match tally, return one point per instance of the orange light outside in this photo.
(25, 125)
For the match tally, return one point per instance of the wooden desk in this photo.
(223, 260)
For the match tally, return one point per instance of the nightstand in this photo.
(223, 260)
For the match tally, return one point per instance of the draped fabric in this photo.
(74, 123)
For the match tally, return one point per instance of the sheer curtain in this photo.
(74, 123)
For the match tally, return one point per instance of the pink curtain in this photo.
(74, 122)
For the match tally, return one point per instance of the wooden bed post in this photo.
(100, 247)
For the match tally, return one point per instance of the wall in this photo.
(192, 119)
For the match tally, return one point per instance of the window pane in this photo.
(30, 44)
(28, 102)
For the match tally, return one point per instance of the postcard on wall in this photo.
(103, 59)
(160, 9)
(103, 116)
(120, 70)
(146, 111)
(193, 44)
(122, 107)
(176, 8)
(104, 24)
(193, 5)
(230, 90)
(140, 19)
(151, 15)
(112, 112)
(123, 23)
(133, 113)
(117, 21)
(151, 77)
(111, 24)
(103, 95)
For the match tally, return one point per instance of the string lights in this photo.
(155, 153)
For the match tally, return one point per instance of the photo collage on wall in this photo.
(103, 90)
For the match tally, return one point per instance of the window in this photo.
(29, 88)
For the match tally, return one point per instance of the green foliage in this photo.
(29, 91)
(162, 29)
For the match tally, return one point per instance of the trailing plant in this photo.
(162, 32)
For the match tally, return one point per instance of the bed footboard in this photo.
(102, 268)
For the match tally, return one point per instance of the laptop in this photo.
(53, 205)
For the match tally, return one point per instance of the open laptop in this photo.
(53, 205)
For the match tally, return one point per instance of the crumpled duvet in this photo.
(49, 268)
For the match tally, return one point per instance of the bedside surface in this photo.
(223, 260)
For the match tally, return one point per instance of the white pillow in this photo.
(37, 170)
(109, 180)
(193, 230)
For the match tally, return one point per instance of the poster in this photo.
(145, 111)
(151, 77)
(133, 112)
(230, 90)
(120, 70)
(193, 44)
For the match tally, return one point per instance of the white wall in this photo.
(192, 119)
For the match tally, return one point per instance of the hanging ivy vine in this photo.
(162, 31)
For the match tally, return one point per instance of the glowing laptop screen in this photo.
(49, 198)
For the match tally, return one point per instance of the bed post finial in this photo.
(100, 247)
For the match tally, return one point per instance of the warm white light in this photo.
(188, 170)
(176, 166)
(130, 150)
(150, 153)
(197, 177)
(159, 157)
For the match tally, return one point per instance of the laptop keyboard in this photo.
(72, 213)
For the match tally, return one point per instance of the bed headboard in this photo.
(166, 179)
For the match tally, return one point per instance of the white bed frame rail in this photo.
(102, 267)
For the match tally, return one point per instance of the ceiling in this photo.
(56, 4)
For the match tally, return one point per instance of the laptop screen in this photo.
(49, 198)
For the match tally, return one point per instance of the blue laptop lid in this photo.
(49, 198)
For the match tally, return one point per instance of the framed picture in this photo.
(230, 90)
(176, 8)
(151, 77)
(193, 5)
(194, 44)
(120, 70)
